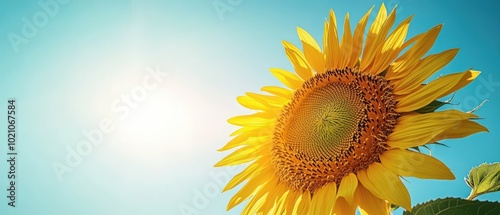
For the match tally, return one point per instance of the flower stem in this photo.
(472, 196)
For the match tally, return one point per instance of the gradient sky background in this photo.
(79, 65)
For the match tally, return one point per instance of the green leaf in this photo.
(455, 206)
(394, 207)
(434, 105)
(438, 143)
(426, 146)
(484, 179)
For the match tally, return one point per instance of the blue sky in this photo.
(141, 91)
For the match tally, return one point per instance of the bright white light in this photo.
(157, 119)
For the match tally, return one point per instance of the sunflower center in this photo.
(337, 123)
(325, 122)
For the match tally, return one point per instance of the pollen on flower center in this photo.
(326, 121)
(337, 123)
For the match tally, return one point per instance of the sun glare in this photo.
(158, 118)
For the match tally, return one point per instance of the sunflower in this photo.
(349, 123)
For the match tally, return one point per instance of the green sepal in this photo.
(433, 106)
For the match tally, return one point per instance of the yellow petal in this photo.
(342, 207)
(245, 139)
(255, 203)
(275, 193)
(410, 58)
(279, 91)
(466, 78)
(375, 28)
(385, 185)
(247, 173)
(332, 50)
(251, 103)
(397, 37)
(299, 62)
(375, 35)
(269, 101)
(408, 163)
(422, 71)
(325, 41)
(395, 72)
(280, 205)
(368, 203)
(358, 39)
(348, 187)
(263, 199)
(406, 136)
(445, 115)
(255, 130)
(412, 41)
(391, 47)
(287, 78)
(323, 200)
(419, 129)
(242, 155)
(312, 51)
(435, 90)
(463, 128)
(306, 38)
(346, 44)
(256, 119)
(302, 204)
(290, 202)
(236, 141)
(253, 186)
